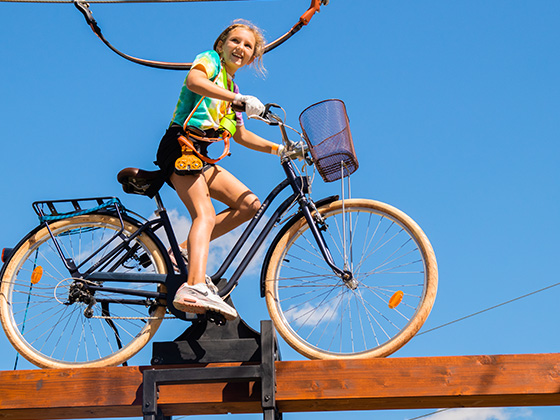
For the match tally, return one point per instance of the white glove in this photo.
(252, 105)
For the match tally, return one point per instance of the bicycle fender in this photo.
(125, 217)
(25, 239)
(15, 248)
(319, 203)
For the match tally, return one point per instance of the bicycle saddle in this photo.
(139, 181)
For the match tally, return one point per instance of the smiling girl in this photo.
(204, 114)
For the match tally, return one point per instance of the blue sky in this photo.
(454, 109)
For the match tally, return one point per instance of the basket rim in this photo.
(320, 102)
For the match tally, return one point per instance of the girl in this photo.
(202, 113)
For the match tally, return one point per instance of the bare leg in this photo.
(193, 192)
(242, 203)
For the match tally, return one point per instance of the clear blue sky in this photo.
(454, 108)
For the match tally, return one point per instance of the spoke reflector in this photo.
(36, 274)
(396, 299)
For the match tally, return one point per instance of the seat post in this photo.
(159, 203)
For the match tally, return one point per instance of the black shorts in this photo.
(169, 151)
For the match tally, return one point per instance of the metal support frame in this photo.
(264, 372)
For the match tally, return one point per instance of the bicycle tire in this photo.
(322, 317)
(37, 314)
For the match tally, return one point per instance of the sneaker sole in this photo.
(193, 306)
(189, 306)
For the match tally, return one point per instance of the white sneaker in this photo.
(199, 298)
(213, 288)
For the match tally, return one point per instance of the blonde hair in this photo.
(259, 41)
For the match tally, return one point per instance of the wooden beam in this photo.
(369, 384)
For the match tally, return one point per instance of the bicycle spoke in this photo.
(306, 305)
(325, 315)
(58, 321)
(333, 313)
(327, 270)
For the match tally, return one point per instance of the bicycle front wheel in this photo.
(390, 296)
(53, 321)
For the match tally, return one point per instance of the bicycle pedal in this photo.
(216, 318)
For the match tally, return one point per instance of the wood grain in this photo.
(321, 385)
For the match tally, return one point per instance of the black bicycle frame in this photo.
(300, 189)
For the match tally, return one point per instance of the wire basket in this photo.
(326, 129)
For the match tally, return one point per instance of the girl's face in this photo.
(238, 49)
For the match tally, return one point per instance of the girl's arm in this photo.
(252, 141)
(198, 82)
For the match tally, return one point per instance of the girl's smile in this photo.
(237, 50)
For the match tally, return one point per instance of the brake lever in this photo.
(267, 116)
(270, 116)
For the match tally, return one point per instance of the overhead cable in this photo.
(488, 309)
(115, 1)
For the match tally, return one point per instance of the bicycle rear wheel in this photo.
(395, 282)
(53, 322)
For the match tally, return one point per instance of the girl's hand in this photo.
(252, 105)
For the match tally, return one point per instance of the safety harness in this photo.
(191, 159)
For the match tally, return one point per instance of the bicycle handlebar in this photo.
(294, 150)
(267, 116)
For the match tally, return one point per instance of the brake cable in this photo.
(83, 7)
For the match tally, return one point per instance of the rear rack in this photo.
(52, 210)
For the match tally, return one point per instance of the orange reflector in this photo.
(396, 299)
(37, 274)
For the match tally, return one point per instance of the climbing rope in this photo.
(83, 7)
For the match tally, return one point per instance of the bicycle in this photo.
(343, 278)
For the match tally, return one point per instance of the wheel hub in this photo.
(349, 280)
(352, 283)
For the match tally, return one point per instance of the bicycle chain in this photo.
(133, 317)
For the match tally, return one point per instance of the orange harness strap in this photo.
(225, 136)
(186, 142)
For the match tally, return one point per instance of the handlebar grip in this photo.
(241, 108)
(238, 108)
(270, 117)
